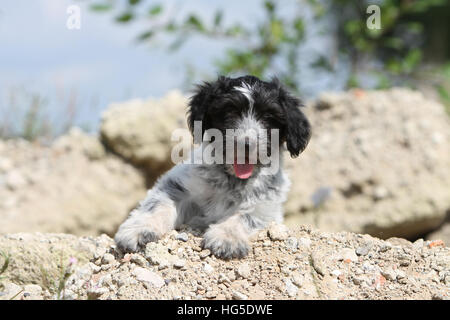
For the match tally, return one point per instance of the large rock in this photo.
(442, 233)
(377, 163)
(308, 264)
(72, 186)
(36, 258)
(141, 131)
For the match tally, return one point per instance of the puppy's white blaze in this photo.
(246, 90)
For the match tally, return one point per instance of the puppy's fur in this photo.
(212, 197)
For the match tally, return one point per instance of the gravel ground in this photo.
(299, 263)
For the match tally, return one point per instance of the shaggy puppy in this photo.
(231, 199)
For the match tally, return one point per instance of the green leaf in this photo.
(146, 35)
(218, 18)
(194, 22)
(155, 10)
(125, 17)
(101, 7)
(270, 6)
(133, 2)
(412, 59)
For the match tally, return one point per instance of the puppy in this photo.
(228, 200)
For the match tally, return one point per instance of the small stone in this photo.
(183, 236)
(108, 258)
(318, 263)
(239, 296)
(179, 263)
(138, 259)
(400, 274)
(6, 164)
(298, 280)
(363, 250)
(358, 280)
(304, 242)
(292, 244)
(105, 280)
(380, 193)
(223, 278)
(244, 271)
(291, 289)
(278, 232)
(347, 254)
(267, 244)
(148, 277)
(211, 294)
(12, 290)
(336, 273)
(207, 268)
(385, 247)
(95, 293)
(34, 291)
(15, 180)
(204, 253)
(418, 244)
(389, 274)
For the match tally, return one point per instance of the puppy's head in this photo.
(245, 111)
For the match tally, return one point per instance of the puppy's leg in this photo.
(229, 238)
(146, 224)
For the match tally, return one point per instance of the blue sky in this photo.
(101, 63)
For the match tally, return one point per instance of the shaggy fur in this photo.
(212, 197)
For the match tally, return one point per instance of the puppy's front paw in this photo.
(225, 245)
(131, 238)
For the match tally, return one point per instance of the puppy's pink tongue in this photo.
(243, 171)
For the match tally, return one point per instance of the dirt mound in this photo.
(283, 264)
(377, 163)
(72, 186)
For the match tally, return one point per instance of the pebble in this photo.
(138, 259)
(318, 263)
(291, 289)
(239, 296)
(207, 268)
(204, 253)
(298, 280)
(363, 250)
(15, 180)
(94, 293)
(389, 274)
(179, 263)
(5, 164)
(182, 236)
(304, 242)
(292, 244)
(211, 294)
(148, 277)
(223, 278)
(278, 232)
(347, 254)
(34, 291)
(108, 258)
(244, 270)
(336, 273)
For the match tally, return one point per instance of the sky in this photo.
(101, 63)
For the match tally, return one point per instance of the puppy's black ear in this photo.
(203, 96)
(198, 107)
(298, 129)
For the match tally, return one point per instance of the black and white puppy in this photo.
(228, 200)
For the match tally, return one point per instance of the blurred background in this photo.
(91, 90)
